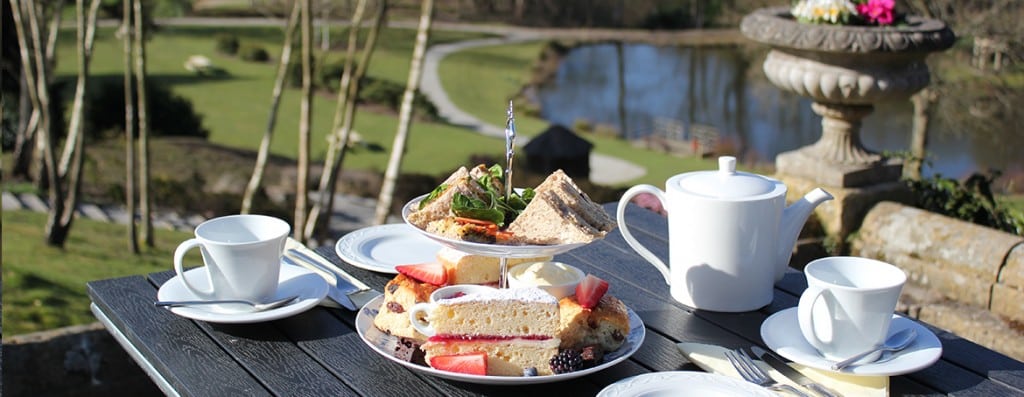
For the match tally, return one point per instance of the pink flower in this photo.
(877, 11)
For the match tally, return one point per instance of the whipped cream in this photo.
(545, 273)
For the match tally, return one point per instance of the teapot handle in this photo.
(621, 218)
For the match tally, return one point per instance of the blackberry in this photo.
(568, 360)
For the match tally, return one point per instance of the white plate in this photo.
(380, 248)
(381, 341)
(294, 280)
(781, 332)
(496, 250)
(682, 383)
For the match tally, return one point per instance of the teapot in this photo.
(730, 235)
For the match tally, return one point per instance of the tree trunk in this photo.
(129, 128)
(70, 172)
(621, 62)
(337, 140)
(27, 134)
(145, 215)
(305, 119)
(387, 191)
(275, 102)
(919, 133)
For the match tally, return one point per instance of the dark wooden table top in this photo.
(319, 353)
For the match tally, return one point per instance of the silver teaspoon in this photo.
(255, 305)
(896, 342)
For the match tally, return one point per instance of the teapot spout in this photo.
(793, 219)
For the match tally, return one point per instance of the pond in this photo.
(721, 88)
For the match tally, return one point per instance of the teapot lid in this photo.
(727, 182)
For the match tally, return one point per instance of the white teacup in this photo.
(848, 305)
(419, 311)
(242, 254)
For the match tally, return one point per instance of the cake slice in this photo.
(605, 325)
(516, 328)
(464, 268)
(400, 294)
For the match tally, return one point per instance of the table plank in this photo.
(267, 353)
(185, 357)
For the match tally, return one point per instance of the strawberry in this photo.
(590, 290)
(472, 363)
(432, 273)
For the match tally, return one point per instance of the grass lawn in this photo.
(44, 287)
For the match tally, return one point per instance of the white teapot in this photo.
(730, 235)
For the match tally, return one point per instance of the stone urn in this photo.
(845, 69)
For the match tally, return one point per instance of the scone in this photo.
(400, 294)
(606, 325)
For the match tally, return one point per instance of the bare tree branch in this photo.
(305, 119)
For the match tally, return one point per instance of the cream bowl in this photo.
(556, 278)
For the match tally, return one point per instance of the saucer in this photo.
(380, 248)
(682, 383)
(781, 332)
(294, 280)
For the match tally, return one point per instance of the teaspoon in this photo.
(896, 342)
(255, 305)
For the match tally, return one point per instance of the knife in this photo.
(780, 365)
(337, 298)
(357, 292)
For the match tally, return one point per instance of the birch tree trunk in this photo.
(140, 89)
(387, 190)
(70, 170)
(27, 135)
(275, 102)
(305, 119)
(129, 127)
(919, 132)
(336, 140)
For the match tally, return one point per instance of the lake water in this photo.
(719, 87)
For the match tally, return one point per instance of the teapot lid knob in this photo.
(727, 164)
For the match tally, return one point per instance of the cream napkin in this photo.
(358, 299)
(711, 358)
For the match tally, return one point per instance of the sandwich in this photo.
(560, 213)
(438, 204)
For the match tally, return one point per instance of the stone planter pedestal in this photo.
(846, 70)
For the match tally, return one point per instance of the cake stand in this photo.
(502, 252)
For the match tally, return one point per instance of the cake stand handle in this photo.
(503, 272)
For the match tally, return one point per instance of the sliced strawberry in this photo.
(432, 273)
(590, 290)
(472, 363)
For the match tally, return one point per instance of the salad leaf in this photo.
(468, 207)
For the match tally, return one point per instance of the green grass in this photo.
(44, 286)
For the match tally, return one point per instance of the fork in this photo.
(754, 374)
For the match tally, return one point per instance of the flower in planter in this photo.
(845, 12)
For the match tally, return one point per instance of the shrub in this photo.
(253, 53)
(227, 44)
(169, 114)
(971, 201)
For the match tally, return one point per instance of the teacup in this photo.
(848, 305)
(242, 254)
(418, 313)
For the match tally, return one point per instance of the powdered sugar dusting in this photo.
(530, 294)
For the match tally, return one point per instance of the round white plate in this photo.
(781, 332)
(380, 248)
(496, 250)
(380, 342)
(294, 280)
(682, 383)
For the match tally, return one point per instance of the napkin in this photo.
(711, 358)
(358, 299)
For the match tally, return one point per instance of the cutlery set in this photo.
(341, 292)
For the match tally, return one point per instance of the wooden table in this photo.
(318, 352)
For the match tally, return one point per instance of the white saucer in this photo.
(294, 280)
(781, 332)
(380, 248)
(682, 383)
(384, 345)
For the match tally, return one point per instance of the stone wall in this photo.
(966, 278)
(73, 361)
